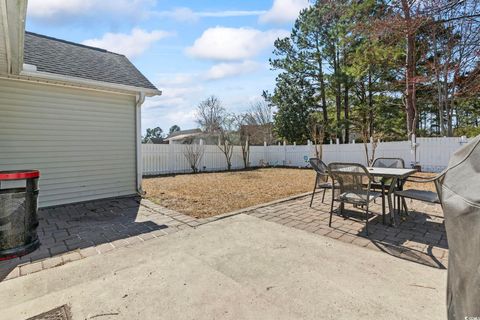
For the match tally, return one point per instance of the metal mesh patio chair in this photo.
(389, 163)
(354, 182)
(384, 183)
(321, 180)
(423, 195)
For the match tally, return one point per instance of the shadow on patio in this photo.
(419, 237)
(71, 232)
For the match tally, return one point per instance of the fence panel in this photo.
(433, 155)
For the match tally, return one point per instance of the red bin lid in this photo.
(19, 174)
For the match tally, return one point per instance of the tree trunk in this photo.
(323, 97)
(436, 65)
(338, 94)
(346, 111)
(371, 113)
(322, 84)
(410, 94)
(448, 108)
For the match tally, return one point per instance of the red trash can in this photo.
(18, 213)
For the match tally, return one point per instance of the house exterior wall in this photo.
(82, 141)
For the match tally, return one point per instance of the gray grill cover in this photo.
(461, 206)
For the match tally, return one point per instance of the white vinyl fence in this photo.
(433, 155)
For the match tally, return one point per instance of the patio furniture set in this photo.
(358, 185)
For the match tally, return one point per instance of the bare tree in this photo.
(227, 138)
(210, 114)
(244, 134)
(317, 132)
(194, 153)
(455, 37)
(373, 140)
(260, 114)
(214, 119)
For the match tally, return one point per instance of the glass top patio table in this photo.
(390, 172)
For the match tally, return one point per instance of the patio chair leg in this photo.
(313, 193)
(391, 209)
(405, 206)
(323, 197)
(383, 208)
(331, 213)
(366, 221)
(383, 204)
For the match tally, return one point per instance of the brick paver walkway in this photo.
(73, 232)
(421, 237)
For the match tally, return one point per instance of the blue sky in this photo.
(188, 49)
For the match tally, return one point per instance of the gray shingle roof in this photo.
(77, 60)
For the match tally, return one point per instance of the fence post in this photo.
(171, 157)
(202, 163)
(265, 151)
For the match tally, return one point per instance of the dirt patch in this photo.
(209, 194)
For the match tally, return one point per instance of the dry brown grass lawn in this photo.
(209, 194)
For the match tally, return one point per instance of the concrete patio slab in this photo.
(236, 268)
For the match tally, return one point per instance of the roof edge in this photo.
(82, 82)
(71, 42)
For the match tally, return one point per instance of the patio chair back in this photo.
(354, 180)
(320, 168)
(389, 163)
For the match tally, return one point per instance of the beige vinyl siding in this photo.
(82, 141)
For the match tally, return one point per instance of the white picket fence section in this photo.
(433, 155)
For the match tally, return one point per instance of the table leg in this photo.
(399, 204)
(383, 202)
(391, 190)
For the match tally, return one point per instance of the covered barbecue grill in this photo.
(460, 197)
(18, 213)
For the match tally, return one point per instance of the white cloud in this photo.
(229, 44)
(65, 9)
(54, 11)
(49, 8)
(177, 90)
(180, 14)
(230, 13)
(184, 14)
(131, 45)
(175, 106)
(224, 70)
(283, 11)
(175, 79)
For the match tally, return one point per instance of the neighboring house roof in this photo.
(183, 134)
(76, 60)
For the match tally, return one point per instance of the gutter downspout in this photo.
(140, 98)
(3, 7)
